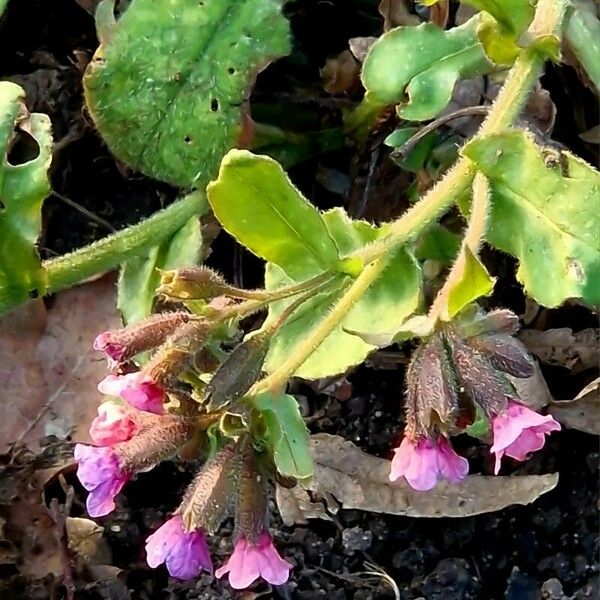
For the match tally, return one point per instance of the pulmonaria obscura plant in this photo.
(187, 379)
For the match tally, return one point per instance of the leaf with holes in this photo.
(285, 434)
(23, 188)
(168, 86)
(140, 275)
(387, 303)
(422, 80)
(546, 212)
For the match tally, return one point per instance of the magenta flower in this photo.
(115, 351)
(185, 554)
(250, 561)
(519, 432)
(422, 462)
(138, 389)
(100, 473)
(113, 424)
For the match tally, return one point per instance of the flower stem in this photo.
(107, 253)
(506, 108)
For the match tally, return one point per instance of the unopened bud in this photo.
(209, 498)
(478, 376)
(238, 372)
(430, 390)
(505, 353)
(497, 321)
(122, 344)
(193, 283)
(178, 352)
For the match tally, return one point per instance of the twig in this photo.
(84, 211)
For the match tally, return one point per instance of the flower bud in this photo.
(193, 283)
(505, 353)
(114, 423)
(122, 344)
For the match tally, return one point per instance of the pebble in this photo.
(355, 538)
(522, 587)
(552, 589)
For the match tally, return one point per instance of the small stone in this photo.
(355, 538)
(552, 589)
(522, 587)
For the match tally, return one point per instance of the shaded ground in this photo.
(548, 550)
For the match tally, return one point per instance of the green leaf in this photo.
(140, 276)
(472, 282)
(418, 67)
(388, 302)
(168, 88)
(23, 188)
(546, 212)
(286, 434)
(256, 202)
(415, 159)
(582, 34)
(437, 243)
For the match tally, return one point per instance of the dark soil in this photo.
(547, 550)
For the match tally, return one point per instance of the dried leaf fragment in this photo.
(583, 412)
(295, 506)
(360, 481)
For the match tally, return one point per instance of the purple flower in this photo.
(250, 561)
(100, 473)
(185, 554)
(138, 389)
(113, 424)
(422, 462)
(519, 432)
(113, 350)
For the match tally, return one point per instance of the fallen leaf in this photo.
(86, 541)
(533, 391)
(396, 13)
(360, 481)
(340, 74)
(359, 46)
(295, 506)
(583, 412)
(48, 370)
(563, 348)
(439, 13)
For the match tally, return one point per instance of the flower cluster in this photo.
(458, 370)
(133, 436)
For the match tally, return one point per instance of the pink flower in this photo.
(250, 561)
(115, 351)
(100, 473)
(519, 432)
(185, 554)
(138, 388)
(422, 462)
(113, 424)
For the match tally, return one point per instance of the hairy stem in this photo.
(109, 252)
(506, 108)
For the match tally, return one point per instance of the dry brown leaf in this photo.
(360, 481)
(439, 13)
(86, 541)
(533, 391)
(563, 348)
(360, 46)
(583, 412)
(48, 370)
(340, 74)
(295, 506)
(396, 13)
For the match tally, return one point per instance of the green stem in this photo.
(304, 349)
(506, 108)
(107, 253)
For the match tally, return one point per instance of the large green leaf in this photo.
(546, 212)
(23, 188)
(256, 202)
(168, 86)
(140, 275)
(582, 34)
(386, 304)
(417, 67)
(286, 434)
